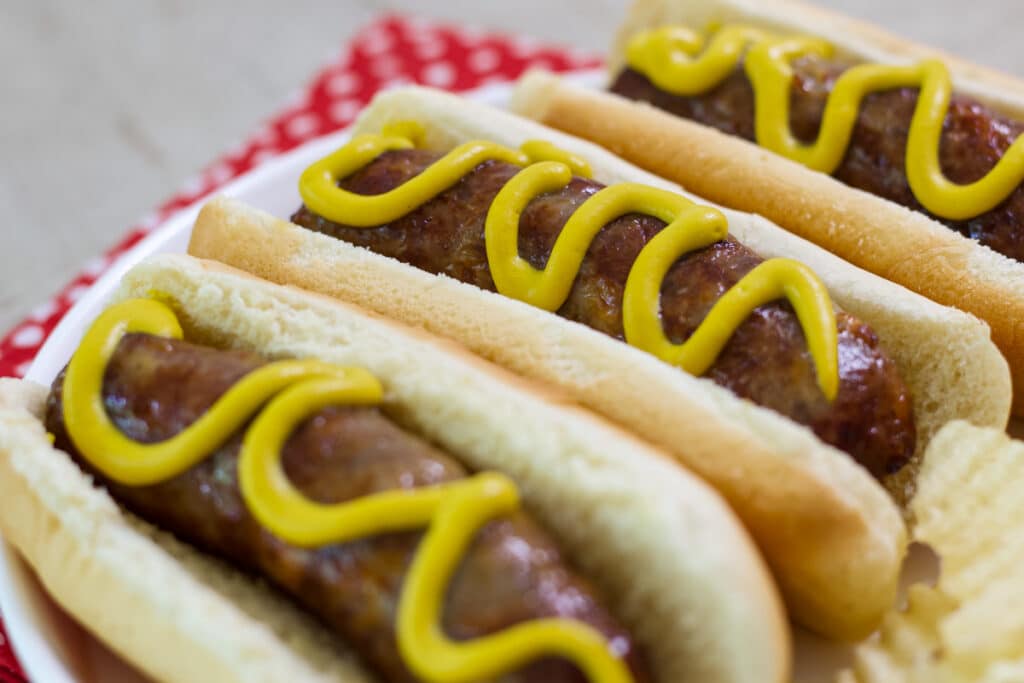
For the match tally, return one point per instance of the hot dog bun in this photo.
(677, 566)
(828, 531)
(880, 236)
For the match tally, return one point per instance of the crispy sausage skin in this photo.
(154, 388)
(973, 139)
(766, 360)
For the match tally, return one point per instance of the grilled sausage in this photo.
(766, 360)
(974, 138)
(154, 388)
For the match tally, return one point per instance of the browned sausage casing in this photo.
(973, 139)
(766, 360)
(155, 387)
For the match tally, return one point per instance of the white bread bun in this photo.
(832, 536)
(676, 566)
(875, 234)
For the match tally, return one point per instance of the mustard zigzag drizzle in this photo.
(289, 392)
(666, 56)
(690, 226)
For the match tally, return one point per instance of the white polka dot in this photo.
(578, 56)
(344, 111)
(342, 84)
(22, 369)
(396, 83)
(27, 337)
(43, 311)
(542, 63)
(150, 220)
(423, 34)
(95, 267)
(386, 67)
(470, 35)
(523, 46)
(431, 50)
(237, 150)
(303, 125)
(266, 136)
(439, 74)
(376, 42)
(338, 54)
(76, 293)
(219, 174)
(494, 78)
(193, 185)
(484, 59)
(295, 100)
(417, 25)
(263, 155)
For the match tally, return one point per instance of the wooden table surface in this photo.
(107, 106)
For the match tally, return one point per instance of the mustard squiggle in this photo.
(453, 512)
(689, 227)
(672, 58)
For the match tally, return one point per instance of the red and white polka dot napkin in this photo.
(393, 50)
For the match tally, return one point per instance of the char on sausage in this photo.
(974, 138)
(513, 572)
(766, 360)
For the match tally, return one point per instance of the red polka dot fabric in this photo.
(391, 51)
(10, 672)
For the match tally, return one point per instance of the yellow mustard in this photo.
(671, 58)
(547, 169)
(291, 391)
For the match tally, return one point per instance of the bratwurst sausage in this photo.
(766, 360)
(974, 138)
(155, 387)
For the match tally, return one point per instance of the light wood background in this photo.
(106, 106)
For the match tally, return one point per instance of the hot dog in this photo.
(871, 417)
(351, 410)
(792, 490)
(784, 75)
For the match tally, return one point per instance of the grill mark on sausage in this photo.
(154, 388)
(974, 138)
(766, 360)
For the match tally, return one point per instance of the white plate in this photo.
(54, 649)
